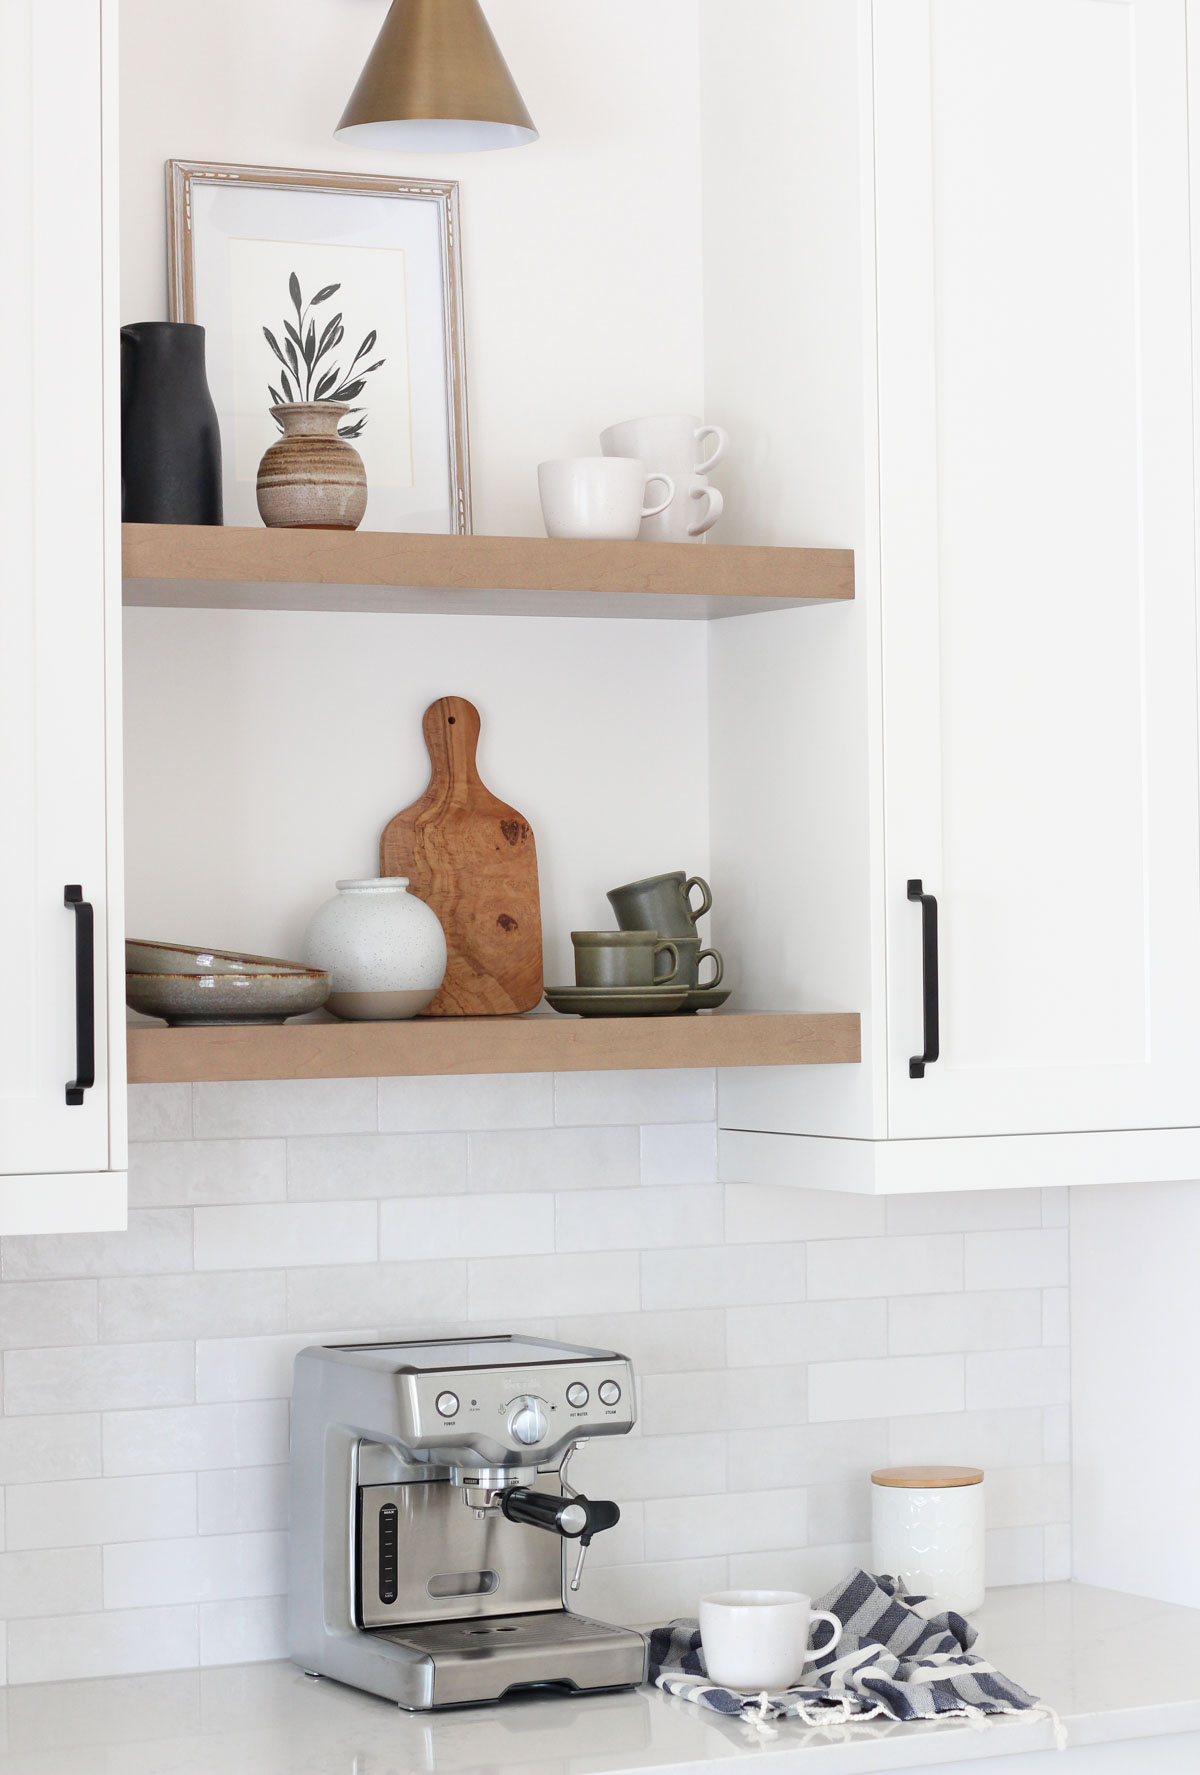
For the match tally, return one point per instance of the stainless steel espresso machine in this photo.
(430, 1510)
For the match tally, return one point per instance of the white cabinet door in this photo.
(1038, 561)
(53, 613)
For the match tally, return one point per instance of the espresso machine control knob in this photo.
(527, 1421)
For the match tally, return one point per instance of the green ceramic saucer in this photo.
(705, 998)
(616, 1001)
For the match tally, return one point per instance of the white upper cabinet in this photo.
(62, 1119)
(1016, 461)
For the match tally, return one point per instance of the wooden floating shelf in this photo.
(194, 566)
(539, 1042)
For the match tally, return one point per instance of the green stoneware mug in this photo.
(690, 957)
(622, 958)
(661, 903)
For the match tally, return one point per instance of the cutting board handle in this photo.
(451, 729)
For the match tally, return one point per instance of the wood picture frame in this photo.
(199, 258)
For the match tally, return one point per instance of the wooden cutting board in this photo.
(472, 858)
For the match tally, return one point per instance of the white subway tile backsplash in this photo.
(683, 1152)
(497, 1100)
(702, 1527)
(590, 1098)
(724, 1277)
(812, 1331)
(380, 1294)
(157, 1242)
(986, 1439)
(441, 1227)
(34, 1314)
(160, 1112)
(1032, 1259)
(1056, 1316)
(840, 1513)
(656, 1343)
(252, 1434)
(850, 1269)
(727, 1399)
(77, 1378)
(250, 1630)
(91, 1512)
(923, 1324)
(1021, 1497)
(194, 1173)
(1018, 1377)
(243, 1500)
(196, 1305)
(964, 1211)
(204, 1568)
(553, 1159)
(567, 1282)
(265, 1107)
(147, 1375)
(1014, 1556)
(337, 1167)
(807, 1454)
(51, 1581)
(843, 1390)
(655, 1217)
(286, 1235)
(67, 1648)
(757, 1212)
(35, 1449)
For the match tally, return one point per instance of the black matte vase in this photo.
(170, 439)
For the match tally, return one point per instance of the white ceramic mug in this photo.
(598, 496)
(758, 1639)
(671, 441)
(693, 511)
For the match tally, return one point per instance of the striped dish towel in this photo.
(890, 1663)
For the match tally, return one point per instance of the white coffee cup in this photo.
(674, 444)
(671, 441)
(598, 496)
(758, 1639)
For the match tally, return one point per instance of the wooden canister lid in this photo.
(927, 1478)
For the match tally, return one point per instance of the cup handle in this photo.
(820, 1651)
(715, 956)
(665, 979)
(716, 505)
(652, 511)
(697, 911)
(722, 437)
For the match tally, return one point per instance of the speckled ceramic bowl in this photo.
(188, 985)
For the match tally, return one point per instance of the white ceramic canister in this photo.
(928, 1531)
(385, 949)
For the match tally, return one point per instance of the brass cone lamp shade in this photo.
(436, 82)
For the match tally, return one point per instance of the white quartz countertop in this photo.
(1113, 1666)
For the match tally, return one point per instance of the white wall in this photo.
(265, 754)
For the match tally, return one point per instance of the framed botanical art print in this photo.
(330, 286)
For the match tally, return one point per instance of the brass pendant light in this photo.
(436, 82)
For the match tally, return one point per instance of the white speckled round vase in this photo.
(385, 949)
(928, 1530)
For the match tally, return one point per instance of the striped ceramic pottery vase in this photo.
(311, 479)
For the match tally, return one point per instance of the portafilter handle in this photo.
(575, 1519)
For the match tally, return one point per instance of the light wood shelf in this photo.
(209, 567)
(540, 1042)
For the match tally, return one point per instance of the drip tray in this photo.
(480, 1659)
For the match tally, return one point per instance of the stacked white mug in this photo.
(673, 444)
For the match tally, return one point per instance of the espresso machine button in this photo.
(447, 1404)
(610, 1393)
(527, 1421)
(577, 1395)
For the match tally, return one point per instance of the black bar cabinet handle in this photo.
(85, 995)
(929, 980)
